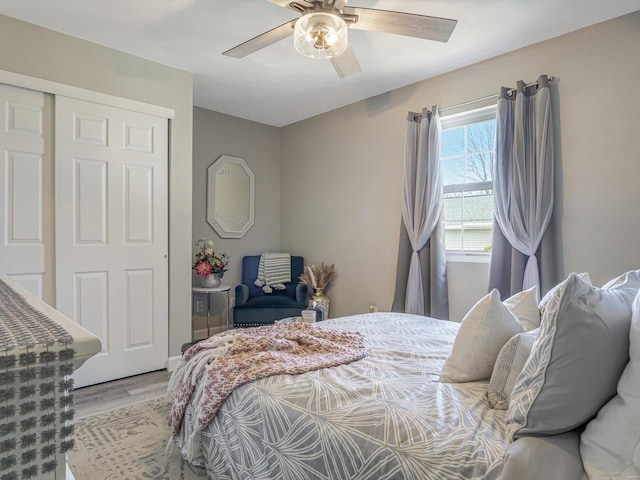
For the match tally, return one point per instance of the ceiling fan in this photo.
(321, 31)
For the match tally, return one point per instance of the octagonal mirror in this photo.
(230, 192)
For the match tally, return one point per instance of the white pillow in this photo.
(524, 305)
(509, 364)
(610, 445)
(483, 331)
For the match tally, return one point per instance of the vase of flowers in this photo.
(210, 281)
(209, 265)
(318, 278)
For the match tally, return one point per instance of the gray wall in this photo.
(341, 189)
(37, 52)
(216, 134)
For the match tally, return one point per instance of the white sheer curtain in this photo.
(421, 196)
(523, 171)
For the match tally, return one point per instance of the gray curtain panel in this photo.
(507, 263)
(434, 274)
(523, 182)
(421, 280)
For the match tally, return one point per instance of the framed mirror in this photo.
(230, 192)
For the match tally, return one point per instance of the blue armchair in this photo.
(255, 308)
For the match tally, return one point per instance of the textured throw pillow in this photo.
(509, 364)
(610, 445)
(483, 331)
(524, 305)
(576, 360)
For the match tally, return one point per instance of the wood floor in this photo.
(108, 396)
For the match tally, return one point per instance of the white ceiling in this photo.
(276, 85)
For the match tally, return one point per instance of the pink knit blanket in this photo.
(235, 357)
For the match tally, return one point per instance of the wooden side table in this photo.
(221, 290)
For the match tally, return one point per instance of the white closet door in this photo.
(111, 234)
(25, 189)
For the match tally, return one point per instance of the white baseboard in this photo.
(172, 363)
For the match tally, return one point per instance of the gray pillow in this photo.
(580, 352)
(541, 458)
(554, 292)
(509, 364)
(628, 280)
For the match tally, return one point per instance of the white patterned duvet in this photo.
(386, 416)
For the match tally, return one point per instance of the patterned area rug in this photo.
(129, 444)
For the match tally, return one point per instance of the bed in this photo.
(386, 416)
(559, 395)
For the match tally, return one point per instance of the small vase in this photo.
(319, 293)
(210, 281)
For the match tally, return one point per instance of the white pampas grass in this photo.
(318, 276)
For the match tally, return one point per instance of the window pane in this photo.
(453, 236)
(478, 206)
(476, 239)
(452, 216)
(467, 154)
(452, 142)
(477, 221)
(480, 167)
(481, 136)
(452, 207)
(480, 147)
(453, 170)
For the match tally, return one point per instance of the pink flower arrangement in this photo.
(207, 262)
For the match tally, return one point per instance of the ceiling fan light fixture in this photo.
(320, 35)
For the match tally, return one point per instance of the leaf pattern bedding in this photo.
(386, 416)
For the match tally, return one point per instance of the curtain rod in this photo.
(417, 116)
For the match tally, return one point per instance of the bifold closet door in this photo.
(26, 182)
(111, 234)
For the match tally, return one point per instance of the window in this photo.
(467, 151)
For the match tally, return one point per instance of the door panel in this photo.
(139, 313)
(91, 304)
(111, 234)
(26, 227)
(90, 202)
(138, 205)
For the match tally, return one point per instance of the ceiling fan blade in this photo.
(290, 4)
(267, 38)
(408, 24)
(346, 64)
(337, 4)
